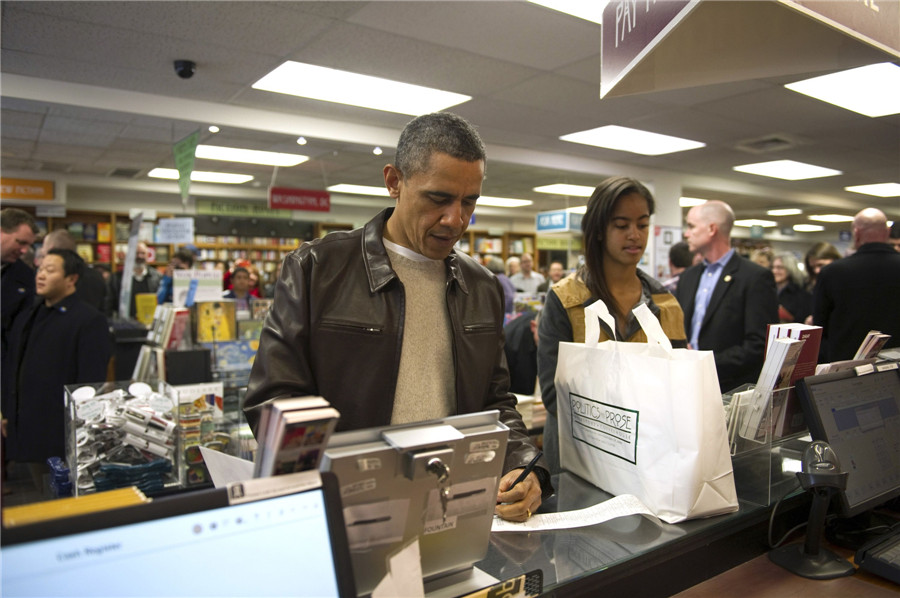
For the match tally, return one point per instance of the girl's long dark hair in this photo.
(593, 227)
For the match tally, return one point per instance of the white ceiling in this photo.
(89, 92)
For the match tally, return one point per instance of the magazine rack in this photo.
(764, 465)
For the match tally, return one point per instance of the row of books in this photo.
(94, 253)
(233, 240)
(519, 246)
(248, 254)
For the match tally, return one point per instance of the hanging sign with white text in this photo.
(285, 198)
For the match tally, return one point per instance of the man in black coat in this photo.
(727, 300)
(60, 341)
(521, 353)
(859, 293)
(17, 233)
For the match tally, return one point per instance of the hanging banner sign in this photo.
(285, 198)
(630, 31)
(558, 221)
(185, 151)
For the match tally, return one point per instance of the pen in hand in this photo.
(528, 469)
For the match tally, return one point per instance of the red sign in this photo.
(285, 198)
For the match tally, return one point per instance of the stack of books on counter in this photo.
(292, 434)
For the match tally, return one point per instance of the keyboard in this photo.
(881, 556)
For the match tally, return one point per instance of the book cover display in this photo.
(293, 433)
(215, 321)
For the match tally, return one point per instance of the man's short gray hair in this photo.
(439, 132)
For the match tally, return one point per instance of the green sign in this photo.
(221, 207)
(184, 152)
(558, 243)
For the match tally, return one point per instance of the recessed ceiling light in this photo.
(566, 189)
(690, 202)
(301, 140)
(808, 228)
(589, 11)
(377, 151)
(784, 212)
(878, 189)
(359, 190)
(872, 90)
(755, 222)
(789, 170)
(213, 129)
(831, 218)
(632, 140)
(343, 87)
(201, 176)
(234, 154)
(503, 202)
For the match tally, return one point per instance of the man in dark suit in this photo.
(60, 341)
(521, 352)
(91, 287)
(728, 301)
(17, 233)
(859, 293)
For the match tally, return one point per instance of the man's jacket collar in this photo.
(378, 264)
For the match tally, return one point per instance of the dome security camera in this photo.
(185, 68)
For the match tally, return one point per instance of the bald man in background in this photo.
(861, 292)
(728, 301)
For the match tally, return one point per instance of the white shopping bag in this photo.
(645, 419)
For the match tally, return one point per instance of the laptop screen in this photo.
(859, 416)
(194, 544)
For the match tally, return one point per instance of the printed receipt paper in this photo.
(620, 506)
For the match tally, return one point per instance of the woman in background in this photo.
(615, 227)
(794, 302)
(819, 255)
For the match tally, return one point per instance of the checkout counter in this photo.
(634, 555)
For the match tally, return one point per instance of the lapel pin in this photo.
(728, 278)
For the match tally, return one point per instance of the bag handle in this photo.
(649, 324)
(593, 311)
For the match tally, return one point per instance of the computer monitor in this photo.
(391, 490)
(859, 416)
(281, 536)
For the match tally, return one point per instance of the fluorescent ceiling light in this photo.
(359, 190)
(754, 222)
(589, 11)
(503, 202)
(787, 169)
(343, 87)
(831, 218)
(235, 154)
(201, 176)
(566, 189)
(808, 228)
(878, 189)
(784, 212)
(872, 90)
(632, 140)
(690, 202)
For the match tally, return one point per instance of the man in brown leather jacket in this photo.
(389, 323)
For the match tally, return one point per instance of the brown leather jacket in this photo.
(336, 328)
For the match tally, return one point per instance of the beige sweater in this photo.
(426, 381)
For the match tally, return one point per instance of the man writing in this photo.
(859, 293)
(389, 323)
(728, 301)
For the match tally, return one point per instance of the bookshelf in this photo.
(265, 252)
(102, 237)
(503, 246)
(323, 228)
